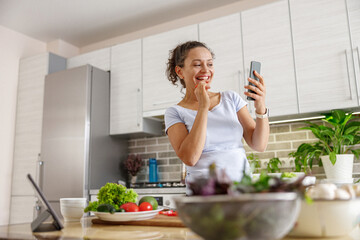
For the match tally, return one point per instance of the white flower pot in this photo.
(341, 170)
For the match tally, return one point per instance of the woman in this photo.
(206, 127)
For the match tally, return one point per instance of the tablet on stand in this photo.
(38, 224)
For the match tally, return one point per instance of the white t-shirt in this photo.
(224, 133)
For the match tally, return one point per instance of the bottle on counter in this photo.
(153, 176)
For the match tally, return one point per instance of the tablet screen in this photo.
(45, 202)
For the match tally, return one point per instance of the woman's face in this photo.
(198, 66)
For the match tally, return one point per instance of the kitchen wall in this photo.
(14, 46)
(284, 138)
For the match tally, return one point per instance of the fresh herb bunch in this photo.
(133, 164)
(273, 165)
(254, 162)
(267, 183)
(339, 138)
(113, 194)
(219, 183)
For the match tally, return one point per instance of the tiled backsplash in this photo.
(284, 138)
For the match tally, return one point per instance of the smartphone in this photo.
(254, 66)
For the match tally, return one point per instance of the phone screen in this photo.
(254, 66)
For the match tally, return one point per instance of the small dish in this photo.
(127, 216)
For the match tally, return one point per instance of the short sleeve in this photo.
(238, 101)
(172, 117)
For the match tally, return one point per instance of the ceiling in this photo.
(83, 22)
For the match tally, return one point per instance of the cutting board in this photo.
(158, 221)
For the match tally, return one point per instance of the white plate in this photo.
(127, 216)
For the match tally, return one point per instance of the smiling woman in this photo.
(207, 127)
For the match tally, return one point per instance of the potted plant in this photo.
(335, 145)
(254, 162)
(273, 165)
(133, 165)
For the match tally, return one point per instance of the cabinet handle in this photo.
(348, 74)
(39, 171)
(139, 111)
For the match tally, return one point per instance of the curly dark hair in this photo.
(177, 57)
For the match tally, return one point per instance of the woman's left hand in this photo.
(260, 91)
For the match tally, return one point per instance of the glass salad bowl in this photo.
(244, 216)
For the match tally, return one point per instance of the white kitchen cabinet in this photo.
(99, 58)
(267, 39)
(223, 37)
(126, 115)
(322, 55)
(28, 126)
(354, 21)
(158, 92)
(126, 88)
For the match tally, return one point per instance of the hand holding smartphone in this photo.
(254, 66)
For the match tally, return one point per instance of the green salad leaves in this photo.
(113, 194)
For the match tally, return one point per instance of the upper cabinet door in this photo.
(159, 93)
(354, 19)
(126, 90)
(267, 39)
(99, 59)
(223, 37)
(322, 55)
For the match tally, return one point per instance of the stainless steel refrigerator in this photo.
(77, 152)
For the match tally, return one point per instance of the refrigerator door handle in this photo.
(39, 174)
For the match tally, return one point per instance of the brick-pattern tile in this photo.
(146, 142)
(173, 168)
(296, 126)
(131, 143)
(148, 155)
(156, 148)
(173, 161)
(282, 154)
(278, 146)
(163, 140)
(163, 176)
(167, 154)
(175, 176)
(265, 155)
(291, 136)
(141, 177)
(137, 149)
(159, 162)
(271, 138)
(296, 144)
(279, 128)
(310, 135)
(283, 139)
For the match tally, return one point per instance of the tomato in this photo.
(130, 207)
(168, 213)
(145, 206)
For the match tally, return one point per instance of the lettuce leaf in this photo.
(113, 194)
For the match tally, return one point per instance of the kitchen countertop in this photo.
(86, 230)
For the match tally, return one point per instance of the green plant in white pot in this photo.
(335, 146)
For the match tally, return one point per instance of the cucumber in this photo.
(106, 208)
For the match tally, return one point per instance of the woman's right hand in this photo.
(202, 96)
